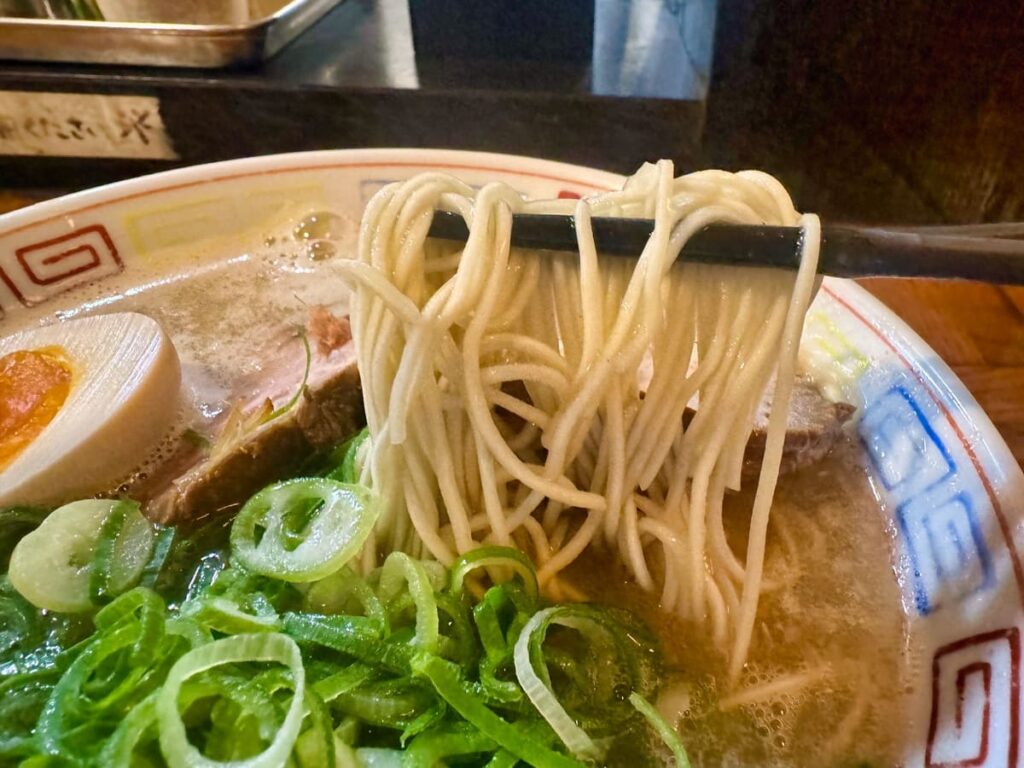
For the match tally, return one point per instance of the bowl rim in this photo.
(124, 190)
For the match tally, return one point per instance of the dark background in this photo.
(876, 110)
(876, 106)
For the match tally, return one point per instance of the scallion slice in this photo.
(349, 458)
(495, 557)
(663, 729)
(537, 689)
(463, 699)
(53, 566)
(269, 647)
(122, 551)
(401, 570)
(400, 665)
(304, 529)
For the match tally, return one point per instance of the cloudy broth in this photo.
(827, 679)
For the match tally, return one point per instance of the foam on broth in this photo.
(830, 635)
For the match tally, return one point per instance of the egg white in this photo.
(123, 400)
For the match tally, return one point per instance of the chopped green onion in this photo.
(663, 729)
(400, 666)
(303, 530)
(163, 543)
(424, 721)
(130, 731)
(446, 680)
(122, 551)
(396, 703)
(434, 748)
(174, 742)
(495, 557)
(15, 522)
(399, 568)
(538, 690)
(342, 681)
(53, 566)
(348, 458)
(502, 759)
(302, 386)
(141, 607)
(458, 641)
(352, 635)
(375, 757)
(101, 680)
(315, 747)
(224, 615)
(486, 616)
(84, 10)
(22, 697)
(346, 592)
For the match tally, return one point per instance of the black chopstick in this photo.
(845, 251)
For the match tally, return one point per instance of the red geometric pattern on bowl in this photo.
(975, 717)
(42, 269)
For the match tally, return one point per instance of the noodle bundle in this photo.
(537, 400)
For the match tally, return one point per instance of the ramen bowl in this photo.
(944, 482)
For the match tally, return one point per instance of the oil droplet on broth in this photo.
(321, 250)
(319, 225)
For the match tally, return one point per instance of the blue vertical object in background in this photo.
(538, 30)
(653, 48)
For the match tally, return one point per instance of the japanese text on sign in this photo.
(82, 125)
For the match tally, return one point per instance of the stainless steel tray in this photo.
(161, 45)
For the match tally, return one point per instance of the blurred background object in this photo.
(150, 11)
(84, 10)
(654, 48)
(177, 11)
(185, 33)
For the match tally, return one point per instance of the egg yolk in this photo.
(33, 386)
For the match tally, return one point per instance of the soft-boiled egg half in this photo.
(81, 403)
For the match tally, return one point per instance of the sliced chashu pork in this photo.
(814, 426)
(247, 449)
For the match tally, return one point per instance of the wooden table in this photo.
(977, 329)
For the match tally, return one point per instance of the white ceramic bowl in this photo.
(941, 472)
